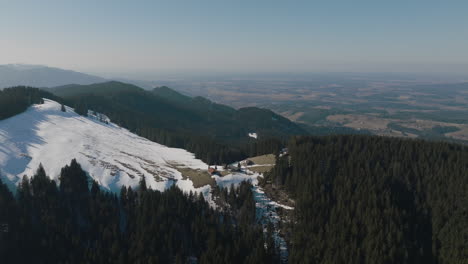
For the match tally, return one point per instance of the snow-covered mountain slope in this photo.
(111, 155)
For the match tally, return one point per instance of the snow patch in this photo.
(253, 135)
(266, 209)
(113, 156)
(235, 179)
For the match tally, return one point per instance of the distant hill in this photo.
(168, 117)
(167, 106)
(103, 88)
(42, 76)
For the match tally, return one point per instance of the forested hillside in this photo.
(359, 199)
(16, 100)
(215, 133)
(367, 199)
(76, 222)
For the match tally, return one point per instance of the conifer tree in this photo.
(73, 180)
(142, 185)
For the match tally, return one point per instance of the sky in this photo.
(103, 36)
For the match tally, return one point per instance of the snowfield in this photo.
(111, 155)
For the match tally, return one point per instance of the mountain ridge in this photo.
(42, 76)
(111, 155)
(191, 112)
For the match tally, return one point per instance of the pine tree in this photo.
(73, 180)
(95, 188)
(142, 184)
(81, 108)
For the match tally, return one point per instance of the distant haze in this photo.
(41, 76)
(141, 38)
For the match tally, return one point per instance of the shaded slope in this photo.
(215, 133)
(369, 199)
(168, 106)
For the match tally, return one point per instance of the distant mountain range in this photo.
(42, 76)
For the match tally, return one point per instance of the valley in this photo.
(233, 132)
(377, 104)
(116, 158)
(279, 193)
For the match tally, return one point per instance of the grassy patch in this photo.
(264, 159)
(261, 169)
(268, 162)
(198, 177)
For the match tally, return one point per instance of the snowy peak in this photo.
(111, 155)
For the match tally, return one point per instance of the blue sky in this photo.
(232, 36)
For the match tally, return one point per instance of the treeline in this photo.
(170, 129)
(215, 133)
(207, 149)
(368, 199)
(224, 142)
(16, 100)
(77, 222)
(210, 150)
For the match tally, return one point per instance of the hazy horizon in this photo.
(147, 38)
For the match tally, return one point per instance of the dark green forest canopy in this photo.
(168, 109)
(16, 100)
(78, 223)
(369, 199)
(214, 132)
(359, 199)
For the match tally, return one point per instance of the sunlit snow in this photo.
(253, 135)
(111, 155)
